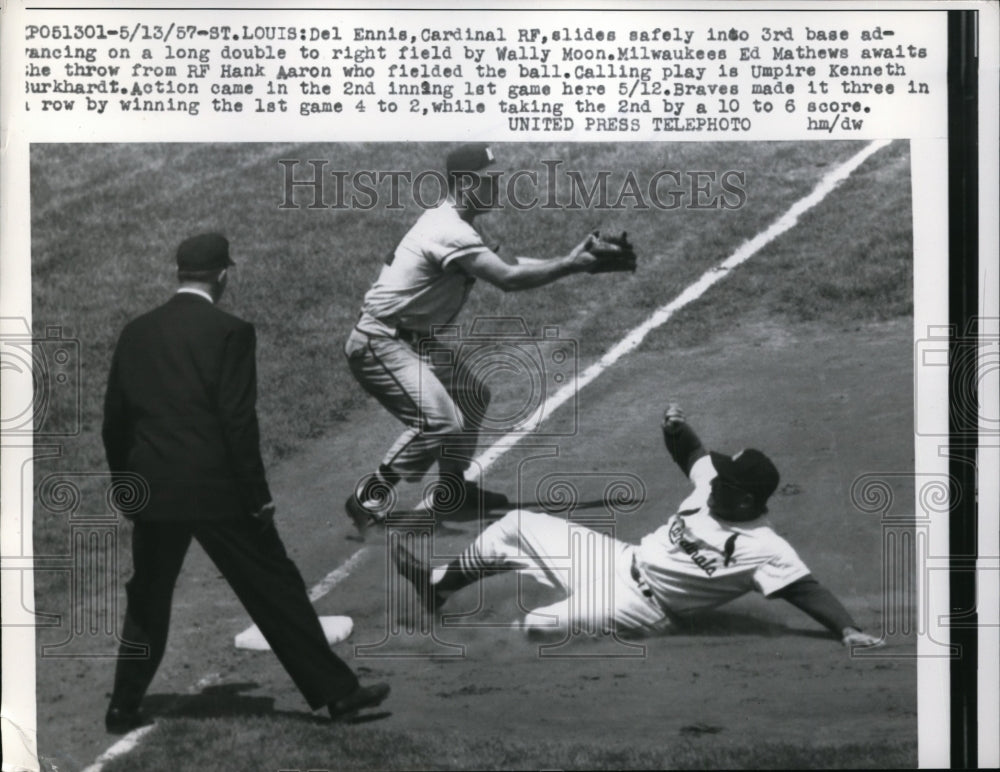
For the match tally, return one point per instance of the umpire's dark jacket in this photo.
(180, 411)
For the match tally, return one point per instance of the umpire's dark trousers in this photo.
(265, 580)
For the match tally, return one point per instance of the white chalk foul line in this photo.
(337, 575)
(331, 580)
(635, 336)
(125, 745)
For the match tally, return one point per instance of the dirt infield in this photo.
(827, 404)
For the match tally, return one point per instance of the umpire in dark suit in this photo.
(180, 411)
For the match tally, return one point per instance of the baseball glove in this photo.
(613, 253)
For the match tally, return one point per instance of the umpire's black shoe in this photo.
(418, 573)
(363, 697)
(122, 721)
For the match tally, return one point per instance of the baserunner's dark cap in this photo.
(472, 157)
(750, 471)
(204, 252)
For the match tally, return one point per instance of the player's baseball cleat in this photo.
(418, 573)
(364, 515)
(363, 697)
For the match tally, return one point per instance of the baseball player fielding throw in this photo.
(424, 285)
(717, 547)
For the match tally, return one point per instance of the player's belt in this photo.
(647, 591)
(640, 580)
(410, 337)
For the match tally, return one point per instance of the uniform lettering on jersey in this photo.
(692, 548)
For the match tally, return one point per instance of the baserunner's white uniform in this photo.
(419, 288)
(695, 561)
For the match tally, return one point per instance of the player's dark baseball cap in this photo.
(750, 471)
(204, 252)
(472, 157)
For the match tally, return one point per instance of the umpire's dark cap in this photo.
(750, 471)
(472, 157)
(204, 252)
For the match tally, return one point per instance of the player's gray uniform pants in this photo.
(440, 402)
(593, 568)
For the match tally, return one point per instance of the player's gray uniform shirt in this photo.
(422, 286)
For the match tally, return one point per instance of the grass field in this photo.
(105, 222)
(103, 239)
(231, 744)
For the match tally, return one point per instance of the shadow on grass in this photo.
(717, 624)
(559, 507)
(471, 515)
(551, 507)
(726, 623)
(228, 701)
